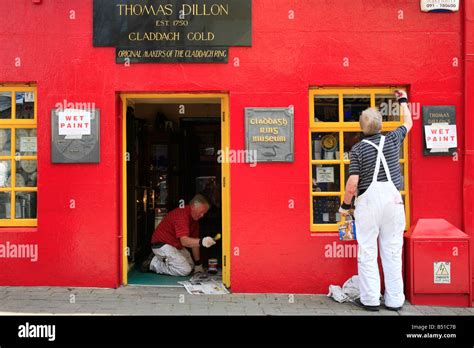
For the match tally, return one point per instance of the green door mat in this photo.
(135, 277)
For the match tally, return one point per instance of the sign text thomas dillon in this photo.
(169, 10)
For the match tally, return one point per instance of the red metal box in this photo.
(437, 262)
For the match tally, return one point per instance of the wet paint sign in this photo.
(75, 136)
(439, 130)
(441, 136)
(74, 122)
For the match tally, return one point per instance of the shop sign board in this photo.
(75, 136)
(180, 31)
(439, 5)
(269, 133)
(440, 131)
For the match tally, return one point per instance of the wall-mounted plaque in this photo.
(439, 5)
(75, 136)
(269, 133)
(439, 130)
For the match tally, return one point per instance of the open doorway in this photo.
(172, 143)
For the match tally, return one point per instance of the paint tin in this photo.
(212, 264)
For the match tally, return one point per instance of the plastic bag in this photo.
(351, 288)
(348, 293)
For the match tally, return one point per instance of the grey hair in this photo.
(371, 121)
(199, 199)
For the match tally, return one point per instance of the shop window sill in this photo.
(324, 234)
(19, 229)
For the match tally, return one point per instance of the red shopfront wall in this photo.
(276, 251)
(469, 125)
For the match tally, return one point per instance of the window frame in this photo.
(15, 124)
(342, 127)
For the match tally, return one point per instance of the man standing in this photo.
(374, 175)
(179, 230)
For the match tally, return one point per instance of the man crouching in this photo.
(179, 230)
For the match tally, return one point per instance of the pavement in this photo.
(140, 300)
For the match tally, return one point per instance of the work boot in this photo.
(359, 304)
(393, 309)
(145, 266)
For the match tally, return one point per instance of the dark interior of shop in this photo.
(173, 151)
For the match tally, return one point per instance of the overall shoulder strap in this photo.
(380, 158)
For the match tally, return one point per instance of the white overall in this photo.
(172, 261)
(380, 214)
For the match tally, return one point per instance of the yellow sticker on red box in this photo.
(442, 272)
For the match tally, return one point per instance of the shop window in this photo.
(334, 130)
(387, 105)
(18, 156)
(353, 106)
(326, 108)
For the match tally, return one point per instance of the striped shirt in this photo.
(364, 156)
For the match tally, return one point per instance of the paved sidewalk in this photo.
(136, 300)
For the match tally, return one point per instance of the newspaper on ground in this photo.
(349, 292)
(352, 288)
(336, 293)
(205, 284)
(210, 287)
